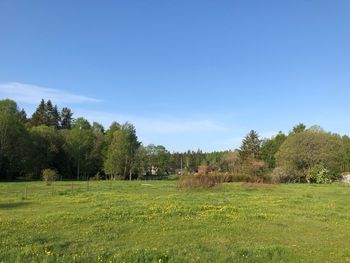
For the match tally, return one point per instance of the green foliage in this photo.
(96, 156)
(117, 154)
(158, 158)
(250, 148)
(97, 128)
(49, 176)
(213, 160)
(109, 134)
(40, 117)
(319, 174)
(141, 163)
(191, 160)
(52, 115)
(121, 152)
(66, 118)
(301, 151)
(79, 145)
(77, 149)
(46, 114)
(250, 170)
(46, 148)
(230, 162)
(346, 162)
(270, 147)
(299, 128)
(49, 115)
(13, 141)
(8, 106)
(316, 128)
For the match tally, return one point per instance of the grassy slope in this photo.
(133, 221)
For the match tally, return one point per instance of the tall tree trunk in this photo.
(78, 170)
(126, 162)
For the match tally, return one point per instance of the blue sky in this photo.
(188, 74)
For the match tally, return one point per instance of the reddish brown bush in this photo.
(202, 170)
(207, 180)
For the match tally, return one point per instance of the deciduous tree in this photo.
(79, 144)
(121, 152)
(270, 147)
(301, 151)
(13, 139)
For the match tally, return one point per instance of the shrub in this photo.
(280, 175)
(319, 174)
(249, 170)
(202, 169)
(208, 180)
(242, 177)
(49, 176)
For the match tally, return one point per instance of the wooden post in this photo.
(181, 164)
(26, 193)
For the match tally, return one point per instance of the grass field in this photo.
(155, 221)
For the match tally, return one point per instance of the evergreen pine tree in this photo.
(66, 118)
(55, 117)
(49, 114)
(250, 147)
(39, 117)
(23, 116)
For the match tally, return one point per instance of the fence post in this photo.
(26, 193)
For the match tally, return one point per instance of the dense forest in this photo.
(76, 149)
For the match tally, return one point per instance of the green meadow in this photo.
(155, 221)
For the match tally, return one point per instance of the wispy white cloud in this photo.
(154, 125)
(32, 94)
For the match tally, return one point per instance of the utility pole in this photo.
(78, 168)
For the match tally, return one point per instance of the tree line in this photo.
(52, 139)
(76, 149)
